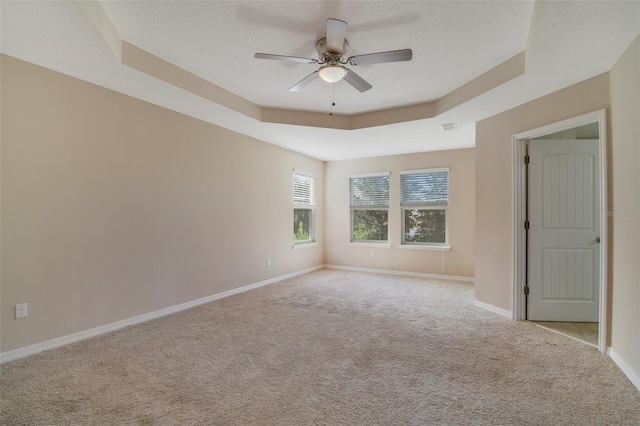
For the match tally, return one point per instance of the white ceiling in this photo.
(453, 42)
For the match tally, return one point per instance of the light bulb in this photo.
(332, 73)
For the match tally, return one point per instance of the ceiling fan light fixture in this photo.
(332, 73)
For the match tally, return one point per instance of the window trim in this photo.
(443, 247)
(427, 205)
(312, 241)
(305, 244)
(369, 243)
(372, 244)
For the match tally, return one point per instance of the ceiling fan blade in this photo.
(356, 81)
(304, 82)
(381, 57)
(336, 31)
(285, 58)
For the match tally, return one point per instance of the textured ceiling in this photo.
(453, 43)
(217, 40)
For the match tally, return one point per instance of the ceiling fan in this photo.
(332, 51)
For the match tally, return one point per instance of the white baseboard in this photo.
(494, 309)
(86, 334)
(407, 274)
(631, 375)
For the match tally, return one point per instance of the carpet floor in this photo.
(326, 348)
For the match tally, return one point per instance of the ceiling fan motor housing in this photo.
(331, 57)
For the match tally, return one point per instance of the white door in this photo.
(564, 226)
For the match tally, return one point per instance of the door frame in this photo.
(519, 213)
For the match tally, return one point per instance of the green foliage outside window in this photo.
(425, 226)
(301, 234)
(370, 225)
(301, 224)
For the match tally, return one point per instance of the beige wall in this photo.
(494, 178)
(458, 262)
(625, 176)
(619, 91)
(113, 207)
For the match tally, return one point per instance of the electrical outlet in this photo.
(21, 310)
(371, 254)
(268, 261)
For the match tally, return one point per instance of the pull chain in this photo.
(333, 98)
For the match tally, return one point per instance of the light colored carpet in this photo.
(327, 348)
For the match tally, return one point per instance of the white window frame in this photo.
(426, 205)
(352, 209)
(311, 205)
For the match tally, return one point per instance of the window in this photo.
(424, 203)
(304, 207)
(370, 207)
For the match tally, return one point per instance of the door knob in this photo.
(598, 240)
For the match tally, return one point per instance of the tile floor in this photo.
(584, 331)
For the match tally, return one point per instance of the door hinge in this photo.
(526, 291)
(526, 224)
(527, 159)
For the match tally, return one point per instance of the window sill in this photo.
(376, 245)
(424, 247)
(305, 245)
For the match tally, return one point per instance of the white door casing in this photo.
(519, 233)
(564, 232)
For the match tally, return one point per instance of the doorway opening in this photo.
(560, 264)
(586, 332)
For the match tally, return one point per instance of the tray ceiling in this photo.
(197, 58)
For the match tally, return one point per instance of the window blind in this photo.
(304, 189)
(426, 188)
(370, 191)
